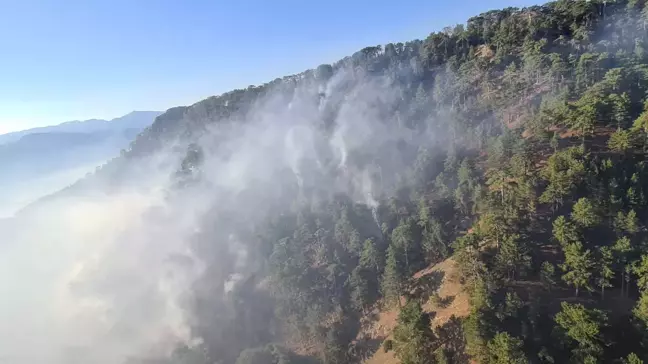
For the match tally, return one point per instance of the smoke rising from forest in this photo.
(118, 273)
(285, 223)
(274, 224)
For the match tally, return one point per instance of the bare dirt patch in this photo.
(450, 299)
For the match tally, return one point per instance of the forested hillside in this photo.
(513, 145)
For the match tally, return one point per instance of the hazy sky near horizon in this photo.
(83, 59)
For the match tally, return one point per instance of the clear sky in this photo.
(64, 60)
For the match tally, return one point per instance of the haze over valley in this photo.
(41, 161)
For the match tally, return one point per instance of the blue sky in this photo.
(79, 59)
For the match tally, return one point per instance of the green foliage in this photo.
(394, 277)
(564, 172)
(466, 187)
(640, 269)
(641, 123)
(512, 259)
(564, 231)
(621, 104)
(621, 141)
(555, 141)
(548, 274)
(403, 240)
(622, 249)
(476, 148)
(359, 289)
(414, 341)
(371, 257)
(433, 242)
(632, 359)
(468, 258)
(626, 223)
(347, 235)
(631, 225)
(586, 115)
(605, 274)
(578, 266)
(433, 237)
(475, 335)
(582, 327)
(492, 226)
(505, 349)
(640, 310)
(584, 213)
(512, 304)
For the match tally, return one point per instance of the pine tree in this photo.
(640, 311)
(359, 289)
(403, 238)
(622, 250)
(619, 222)
(555, 141)
(583, 327)
(334, 352)
(585, 117)
(640, 269)
(465, 186)
(584, 213)
(499, 181)
(468, 258)
(577, 267)
(414, 340)
(512, 257)
(620, 108)
(393, 277)
(492, 226)
(632, 359)
(621, 141)
(512, 304)
(641, 124)
(346, 235)
(604, 268)
(505, 349)
(631, 222)
(432, 242)
(548, 274)
(564, 231)
(370, 257)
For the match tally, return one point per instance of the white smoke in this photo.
(107, 274)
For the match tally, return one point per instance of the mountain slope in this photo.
(498, 93)
(509, 151)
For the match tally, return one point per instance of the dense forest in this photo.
(513, 146)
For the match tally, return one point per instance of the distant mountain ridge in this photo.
(41, 161)
(137, 120)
